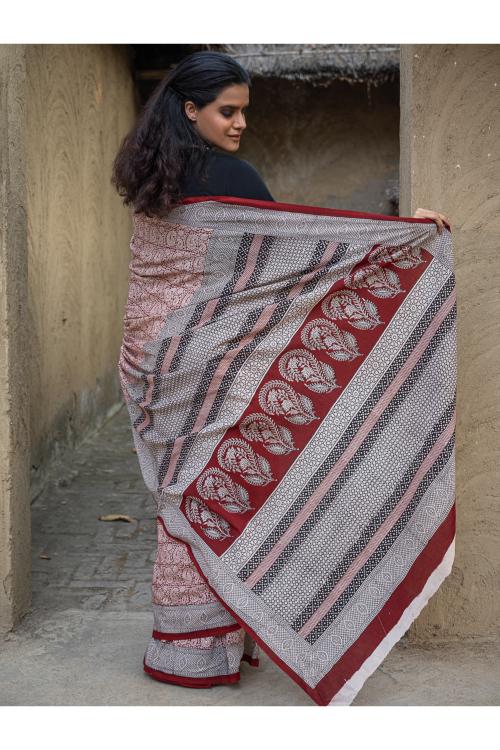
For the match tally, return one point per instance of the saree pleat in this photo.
(290, 376)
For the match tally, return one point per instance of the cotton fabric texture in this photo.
(290, 375)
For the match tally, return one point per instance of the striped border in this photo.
(302, 209)
(400, 610)
(193, 682)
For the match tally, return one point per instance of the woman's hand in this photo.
(426, 213)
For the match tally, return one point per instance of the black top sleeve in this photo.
(227, 175)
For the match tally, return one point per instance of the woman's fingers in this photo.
(427, 213)
(443, 220)
(446, 221)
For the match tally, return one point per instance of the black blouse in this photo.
(227, 175)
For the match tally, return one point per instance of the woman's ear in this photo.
(190, 110)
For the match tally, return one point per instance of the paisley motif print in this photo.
(301, 365)
(238, 456)
(211, 523)
(402, 256)
(277, 397)
(276, 439)
(215, 484)
(323, 334)
(381, 282)
(347, 305)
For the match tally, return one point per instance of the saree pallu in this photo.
(290, 376)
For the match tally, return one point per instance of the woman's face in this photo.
(222, 121)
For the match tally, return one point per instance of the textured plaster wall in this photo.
(15, 528)
(334, 146)
(80, 104)
(450, 131)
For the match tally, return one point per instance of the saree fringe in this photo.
(290, 376)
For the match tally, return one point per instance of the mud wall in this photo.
(79, 105)
(450, 129)
(334, 146)
(15, 527)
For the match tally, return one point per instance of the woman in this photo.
(183, 147)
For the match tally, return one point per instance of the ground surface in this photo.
(84, 639)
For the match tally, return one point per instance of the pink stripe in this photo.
(384, 529)
(327, 255)
(147, 417)
(173, 346)
(229, 357)
(223, 366)
(250, 264)
(336, 470)
(208, 311)
(174, 457)
(252, 256)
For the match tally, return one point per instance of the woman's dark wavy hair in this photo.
(163, 145)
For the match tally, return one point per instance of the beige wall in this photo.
(336, 146)
(450, 131)
(80, 104)
(15, 529)
(64, 253)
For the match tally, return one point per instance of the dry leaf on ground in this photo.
(117, 517)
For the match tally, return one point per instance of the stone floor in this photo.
(83, 641)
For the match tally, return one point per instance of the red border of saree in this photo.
(299, 208)
(405, 593)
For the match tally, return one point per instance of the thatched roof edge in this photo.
(318, 63)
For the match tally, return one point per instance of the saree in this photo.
(290, 376)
